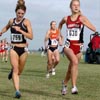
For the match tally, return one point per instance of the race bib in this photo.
(16, 37)
(54, 42)
(73, 34)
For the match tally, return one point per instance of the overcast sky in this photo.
(42, 12)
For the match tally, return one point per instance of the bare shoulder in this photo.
(48, 32)
(65, 19)
(83, 18)
(10, 21)
(26, 21)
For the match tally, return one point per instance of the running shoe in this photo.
(74, 90)
(10, 74)
(48, 75)
(64, 89)
(17, 94)
(53, 71)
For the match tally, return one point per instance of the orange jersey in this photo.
(53, 38)
(54, 35)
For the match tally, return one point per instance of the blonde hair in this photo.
(72, 3)
(20, 5)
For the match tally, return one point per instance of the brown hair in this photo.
(20, 5)
(52, 22)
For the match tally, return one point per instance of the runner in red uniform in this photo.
(73, 43)
(3, 49)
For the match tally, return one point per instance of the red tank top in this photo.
(73, 28)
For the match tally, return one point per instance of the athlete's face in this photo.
(75, 7)
(53, 25)
(20, 14)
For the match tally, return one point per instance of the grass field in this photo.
(34, 85)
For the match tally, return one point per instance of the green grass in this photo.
(34, 85)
